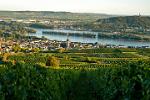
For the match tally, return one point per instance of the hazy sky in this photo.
(93, 6)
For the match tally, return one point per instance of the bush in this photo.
(5, 57)
(61, 50)
(117, 51)
(52, 61)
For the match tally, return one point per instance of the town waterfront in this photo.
(83, 39)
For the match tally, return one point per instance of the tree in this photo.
(52, 61)
(61, 50)
(16, 48)
(1, 33)
(116, 51)
(66, 58)
(35, 50)
(5, 57)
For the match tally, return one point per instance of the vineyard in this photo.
(87, 58)
(91, 74)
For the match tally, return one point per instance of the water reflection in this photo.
(74, 38)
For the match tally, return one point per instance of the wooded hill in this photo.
(124, 22)
(52, 14)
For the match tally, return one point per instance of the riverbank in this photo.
(90, 37)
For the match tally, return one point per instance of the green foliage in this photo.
(29, 58)
(36, 25)
(90, 60)
(5, 57)
(35, 50)
(25, 81)
(145, 52)
(90, 74)
(117, 51)
(16, 48)
(1, 33)
(127, 21)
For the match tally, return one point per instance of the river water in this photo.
(82, 39)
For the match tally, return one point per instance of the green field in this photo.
(88, 74)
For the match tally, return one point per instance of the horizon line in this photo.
(77, 12)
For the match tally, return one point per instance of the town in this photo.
(35, 44)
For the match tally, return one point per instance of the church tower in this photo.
(68, 41)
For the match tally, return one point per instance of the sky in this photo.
(128, 7)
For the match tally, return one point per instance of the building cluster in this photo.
(56, 23)
(41, 45)
(51, 45)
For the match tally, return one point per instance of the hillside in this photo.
(51, 14)
(126, 22)
(87, 74)
(123, 27)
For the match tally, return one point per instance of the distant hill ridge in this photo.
(52, 14)
(127, 21)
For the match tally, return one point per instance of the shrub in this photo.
(5, 57)
(52, 61)
(117, 51)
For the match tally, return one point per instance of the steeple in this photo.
(67, 41)
(67, 36)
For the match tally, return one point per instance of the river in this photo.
(83, 39)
